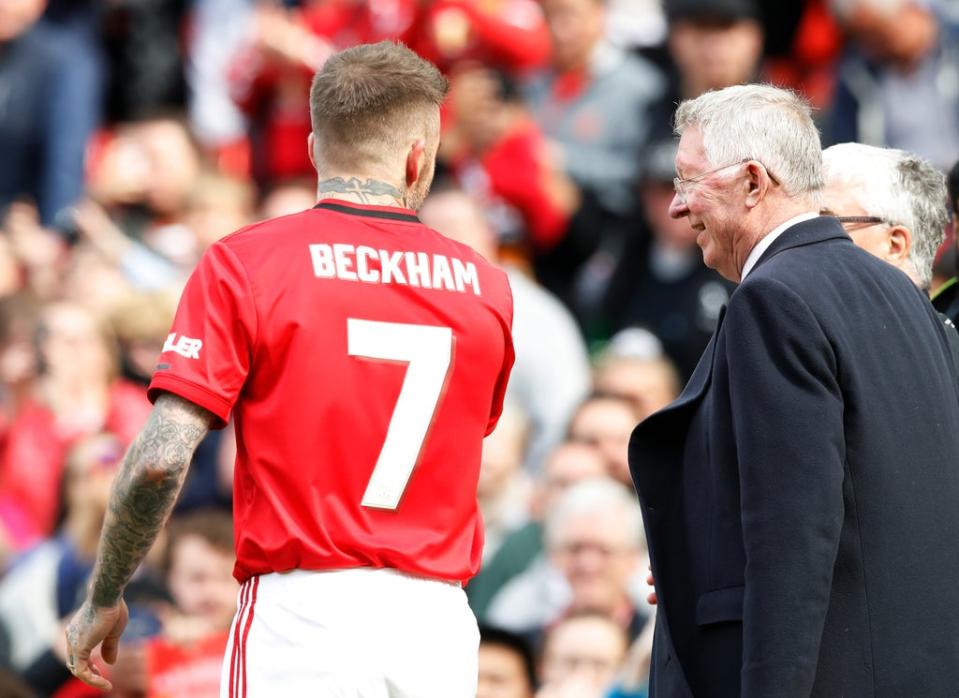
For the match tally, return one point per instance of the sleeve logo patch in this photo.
(184, 346)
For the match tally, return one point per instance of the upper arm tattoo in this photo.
(144, 491)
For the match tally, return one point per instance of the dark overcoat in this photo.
(801, 497)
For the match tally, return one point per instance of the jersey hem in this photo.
(242, 574)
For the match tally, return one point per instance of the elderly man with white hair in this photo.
(893, 205)
(799, 510)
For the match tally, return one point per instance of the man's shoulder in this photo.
(258, 232)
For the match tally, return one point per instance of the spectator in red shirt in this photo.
(508, 35)
(76, 394)
(500, 157)
(185, 658)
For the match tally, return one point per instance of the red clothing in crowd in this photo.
(32, 461)
(509, 35)
(276, 95)
(174, 671)
(514, 174)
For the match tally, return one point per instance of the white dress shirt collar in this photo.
(769, 239)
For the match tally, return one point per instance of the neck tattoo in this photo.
(364, 191)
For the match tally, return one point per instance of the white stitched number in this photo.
(427, 350)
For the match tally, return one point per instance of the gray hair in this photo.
(898, 187)
(759, 122)
(596, 496)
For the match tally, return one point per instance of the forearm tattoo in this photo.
(144, 491)
(367, 190)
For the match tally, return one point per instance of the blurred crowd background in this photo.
(135, 133)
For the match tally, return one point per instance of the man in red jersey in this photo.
(363, 357)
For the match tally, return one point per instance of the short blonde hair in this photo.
(367, 99)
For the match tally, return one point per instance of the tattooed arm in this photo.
(143, 494)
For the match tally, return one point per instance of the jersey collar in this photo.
(394, 213)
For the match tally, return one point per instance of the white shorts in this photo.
(357, 633)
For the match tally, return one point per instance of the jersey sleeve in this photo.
(509, 356)
(207, 355)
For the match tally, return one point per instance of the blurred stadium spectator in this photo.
(593, 102)
(76, 393)
(712, 44)
(498, 154)
(605, 422)
(284, 199)
(903, 53)
(47, 582)
(179, 651)
(660, 281)
(49, 107)
(650, 383)
(506, 667)
(504, 487)
(510, 35)
(551, 373)
(594, 539)
(581, 656)
(523, 549)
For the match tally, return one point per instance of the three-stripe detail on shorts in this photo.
(241, 630)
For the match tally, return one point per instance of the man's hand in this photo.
(88, 628)
(651, 597)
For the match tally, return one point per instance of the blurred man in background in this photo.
(713, 44)
(904, 53)
(551, 373)
(648, 382)
(593, 102)
(506, 667)
(594, 540)
(49, 107)
(522, 550)
(660, 282)
(605, 422)
(581, 656)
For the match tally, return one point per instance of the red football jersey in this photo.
(364, 357)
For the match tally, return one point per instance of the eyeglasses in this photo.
(859, 221)
(681, 186)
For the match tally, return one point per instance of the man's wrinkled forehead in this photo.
(690, 155)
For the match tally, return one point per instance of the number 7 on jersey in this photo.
(428, 351)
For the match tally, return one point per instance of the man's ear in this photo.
(414, 162)
(757, 183)
(310, 142)
(899, 242)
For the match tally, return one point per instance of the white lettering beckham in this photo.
(349, 263)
